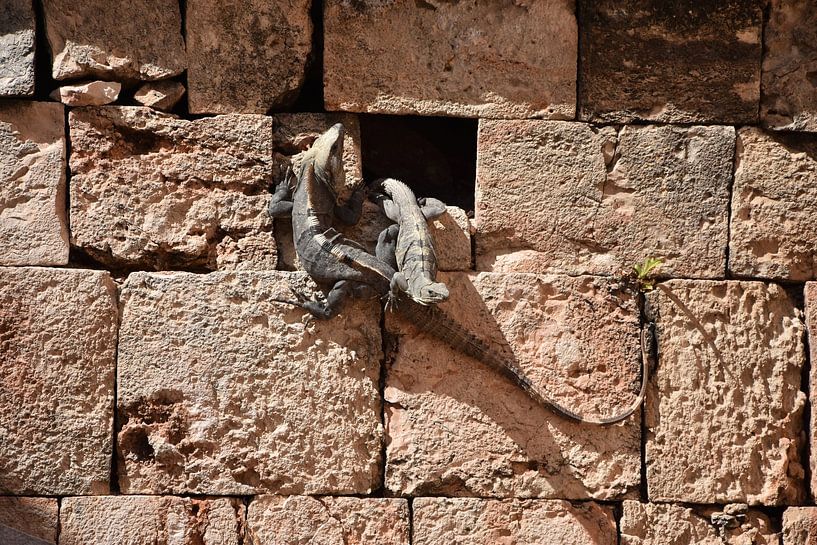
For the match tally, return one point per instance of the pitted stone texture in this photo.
(492, 59)
(28, 521)
(800, 526)
(476, 521)
(17, 27)
(293, 520)
(93, 93)
(223, 391)
(564, 197)
(136, 40)
(168, 520)
(774, 202)
(673, 62)
(662, 524)
(57, 344)
(33, 226)
(810, 296)
(790, 66)
(457, 428)
(151, 190)
(725, 410)
(246, 56)
(160, 95)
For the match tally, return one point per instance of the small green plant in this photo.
(643, 274)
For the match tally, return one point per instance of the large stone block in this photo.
(221, 390)
(457, 428)
(246, 57)
(33, 223)
(800, 526)
(725, 410)
(28, 521)
(674, 62)
(151, 190)
(136, 40)
(492, 59)
(810, 296)
(476, 521)
(564, 197)
(17, 28)
(58, 348)
(774, 202)
(293, 520)
(114, 520)
(789, 90)
(659, 524)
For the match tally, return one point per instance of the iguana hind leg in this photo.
(324, 310)
(350, 212)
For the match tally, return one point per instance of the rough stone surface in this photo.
(160, 95)
(16, 48)
(151, 190)
(24, 520)
(94, 93)
(810, 296)
(564, 197)
(293, 520)
(457, 428)
(725, 410)
(800, 526)
(136, 40)
(57, 344)
(33, 226)
(476, 521)
(790, 66)
(493, 59)
(662, 524)
(674, 62)
(223, 391)
(168, 520)
(246, 56)
(774, 202)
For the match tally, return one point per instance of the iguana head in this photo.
(431, 294)
(326, 154)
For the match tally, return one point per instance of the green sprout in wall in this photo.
(643, 274)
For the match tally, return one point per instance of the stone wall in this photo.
(152, 390)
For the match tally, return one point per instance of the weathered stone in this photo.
(565, 197)
(221, 390)
(457, 428)
(111, 520)
(452, 240)
(774, 203)
(94, 93)
(659, 524)
(674, 62)
(810, 296)
(160, 95)
(17, 29)
(789, 94)
(800, 526)
(136, 40)
(33, 224)
(493, 59)
(151, 190)
(28, 521)
(476, 521)
(724, 411)
(292, 520)
(57, 344)
(246, 56)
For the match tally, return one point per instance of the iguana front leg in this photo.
(431, 207)
(280, 206)
(349, 213)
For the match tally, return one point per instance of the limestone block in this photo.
(221, 390)
(33, 223)
(774, 202)
(477, 59)
(161, 95)
(673, 62)
(151, 190)
(457, 428)
(477, 521)
(114, 520)
(28, 521)
(246, 56)
(135, 40)
(659, 524)
(58, 346)
(810, 296)
(564, 197)
(292, 520)
(789, 92)
(93, 93)
(17, 28)
(800, 526)
(725, 410)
